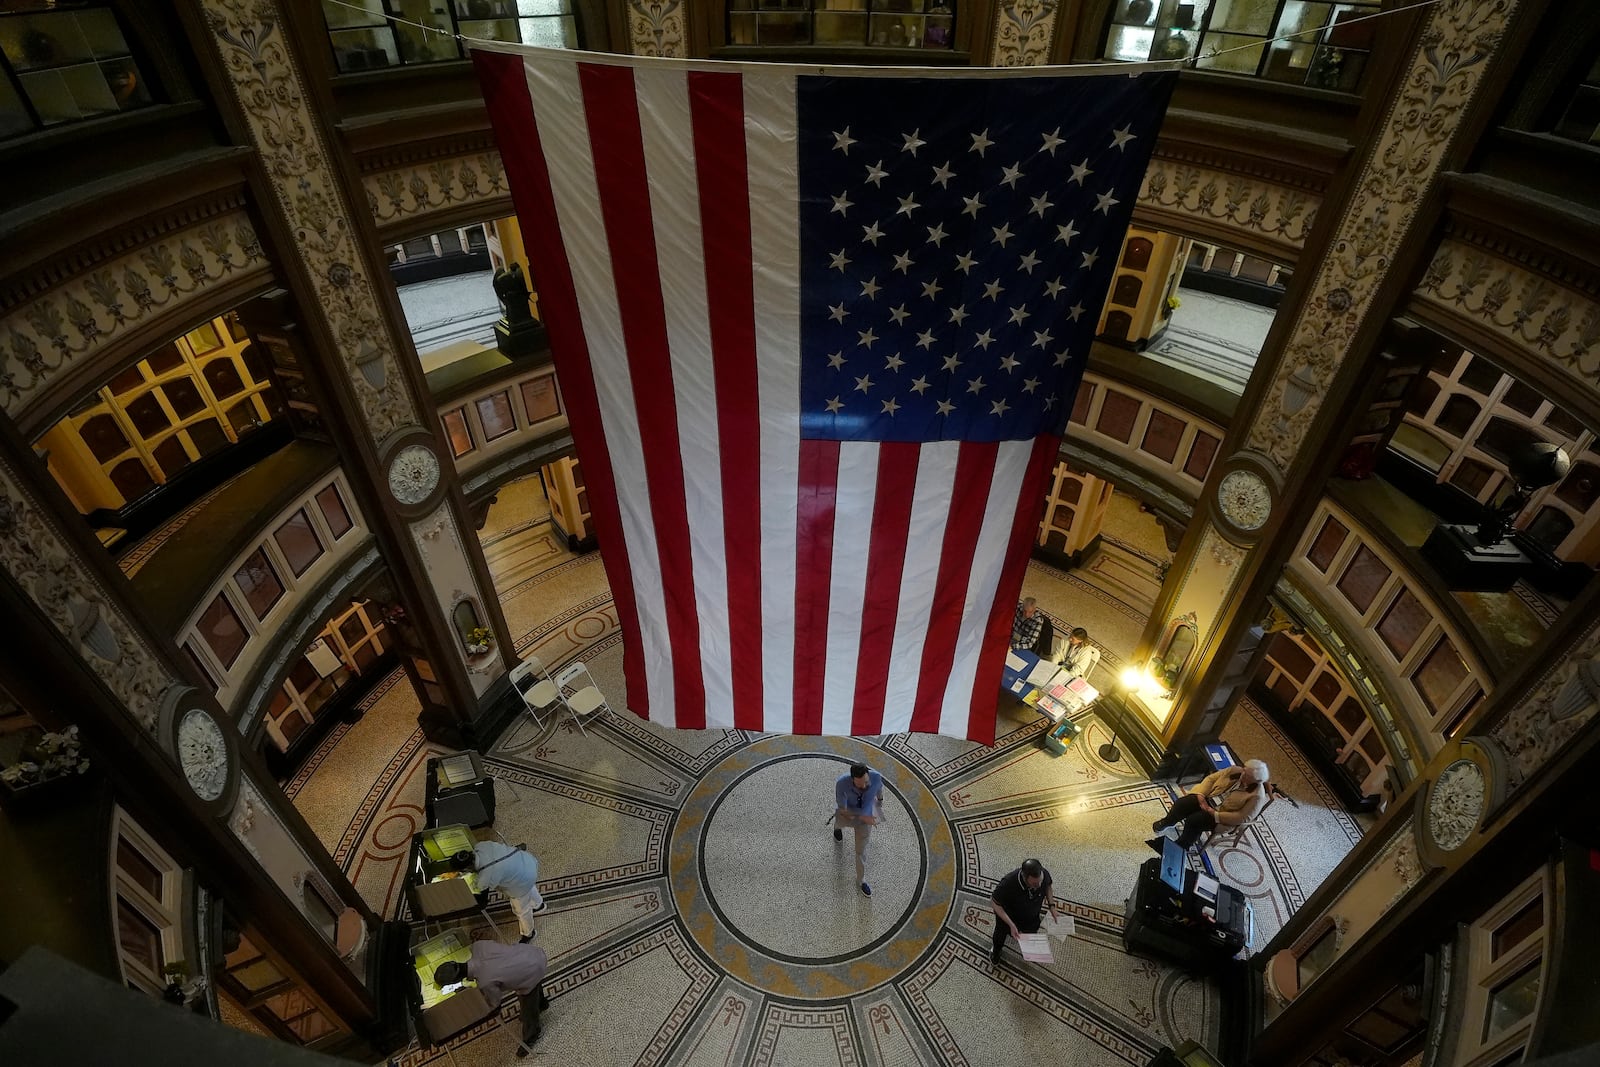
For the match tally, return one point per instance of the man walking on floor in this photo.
(856, 797)
(1019, 900)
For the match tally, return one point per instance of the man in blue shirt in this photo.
(513, 871)
(856, 800)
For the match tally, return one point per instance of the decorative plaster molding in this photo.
(424, 187)
(1444, 75)
(655, 28)
(1243, 202)
(1557, 707)
(1531, 308)
(1023, 32)
(272, 98)
(88, 310)
(37, 556)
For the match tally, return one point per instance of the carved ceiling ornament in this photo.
(203, 754)
(1245, 499)
(1529, 308)
(1023, 32)
(407, 192)
(413, 474)
(655, 28)
(1445, 73)
(74, 320)
(1249, 203)
(272, 97)
(38, 557)
(1456, 804)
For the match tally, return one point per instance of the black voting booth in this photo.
(1166, 913)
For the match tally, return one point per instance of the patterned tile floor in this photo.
(703, 913)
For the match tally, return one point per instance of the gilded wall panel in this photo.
(44, 334)
(1263, 208)
(1551, 321)
(1023, 31)
(1444, 75)
(655, 28)
(409, 192)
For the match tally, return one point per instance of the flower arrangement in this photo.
(479, 638)
(54, 755)
(1174, 303)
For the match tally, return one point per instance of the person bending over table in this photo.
(1019, 900)
(500, 969)
(513, 871)
(1229, 797)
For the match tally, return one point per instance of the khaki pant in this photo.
(863, 835)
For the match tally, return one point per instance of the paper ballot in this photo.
(1042, 674)
(1060, 927)
(1035, 948)
(1016, 662)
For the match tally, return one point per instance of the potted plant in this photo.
(479, 640)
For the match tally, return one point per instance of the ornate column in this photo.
(1361, 261)
(355, 339)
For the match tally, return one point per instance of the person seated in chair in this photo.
(1080, 656)
(1230, 797)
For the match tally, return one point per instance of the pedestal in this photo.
(1467, 565)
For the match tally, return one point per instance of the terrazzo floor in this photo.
(704, 914)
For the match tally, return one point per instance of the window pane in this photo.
(1403, 624)
(144, 874)
(1350, 715)
(1200, 455)
(539, 398)
(1329, 540)
(204, 339)
(194, 655)
(1512, 1002)
(494, 412)
(221, 630)
(1440, 675)
(1363, 578)
(455, 428)
(333, 510)
(139, 937)
(299, 542)
(259, 583)
(1517, 929)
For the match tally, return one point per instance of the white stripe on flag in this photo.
(852, 548)
(772, 140)
(668, 136)
(552, 87)
(1011, 463)
(930, 511)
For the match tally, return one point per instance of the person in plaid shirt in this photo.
(1025, 623)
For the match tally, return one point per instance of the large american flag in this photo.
(818, 333)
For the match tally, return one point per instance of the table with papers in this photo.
(1048, 689)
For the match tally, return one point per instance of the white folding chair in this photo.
(585, 698)
(538, 689)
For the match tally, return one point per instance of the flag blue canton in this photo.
(957, 240)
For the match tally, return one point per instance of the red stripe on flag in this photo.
(886, 561)
(505, 90)
(996, 640)
(819, 485)
(621, 180)
(969, 501)
(716, 104)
